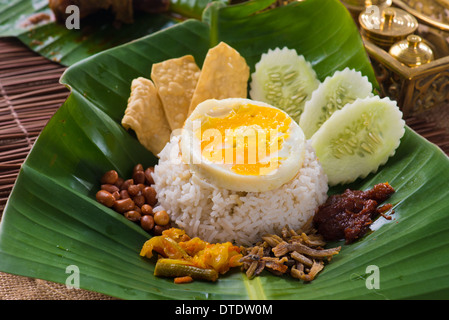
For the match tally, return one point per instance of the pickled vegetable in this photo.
(182, 268)
(182, 256)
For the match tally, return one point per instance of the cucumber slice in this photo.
(359, 138)
(333, 94)
(283, 79)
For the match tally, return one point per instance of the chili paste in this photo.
(349, 215)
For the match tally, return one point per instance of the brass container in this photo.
(412, 52)
(433, 13)
(384, 27)
(415, 74)
(415, 88)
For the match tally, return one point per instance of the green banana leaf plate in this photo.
(98, 32)
(52, 223)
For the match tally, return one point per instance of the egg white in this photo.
(220, 174)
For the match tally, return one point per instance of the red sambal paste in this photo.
(349, 215)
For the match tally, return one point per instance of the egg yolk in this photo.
(247, 138)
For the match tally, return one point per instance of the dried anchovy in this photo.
(298, 253)
(283, 248)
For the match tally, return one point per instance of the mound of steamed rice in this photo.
(220, 215)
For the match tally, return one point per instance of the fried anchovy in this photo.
(284, 247)
(314, 270)
(293, 252)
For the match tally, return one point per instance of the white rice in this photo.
(220, 215)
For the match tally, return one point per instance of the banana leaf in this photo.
(97, 32)
(52, 221)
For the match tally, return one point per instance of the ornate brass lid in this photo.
(388, 26)
(412, 52)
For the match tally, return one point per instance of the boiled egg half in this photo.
(242, 145)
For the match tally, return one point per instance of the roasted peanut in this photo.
(125, 185)
(150, 195)
(139, 200)
(124, 194)
(137, 167)
(116, 195)
(134, 198)
(124, 205)
(147, 209)
(110, 187)
(161, 218)
(134, 190)
(136, 208)
(110, 177)
(119, 182)
(139, 177)
(147, 222)
(106, 198)
(132, 215)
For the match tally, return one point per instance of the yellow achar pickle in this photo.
(182, 256)
(180, 268)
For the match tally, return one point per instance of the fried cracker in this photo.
(176, 80)
(145, 115)
(224, 74)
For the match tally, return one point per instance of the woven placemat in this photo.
(30, 93)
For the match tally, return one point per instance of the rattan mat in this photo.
(30, 93)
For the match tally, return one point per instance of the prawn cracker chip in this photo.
(144, 114)
(225, 74)
(175, 80)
